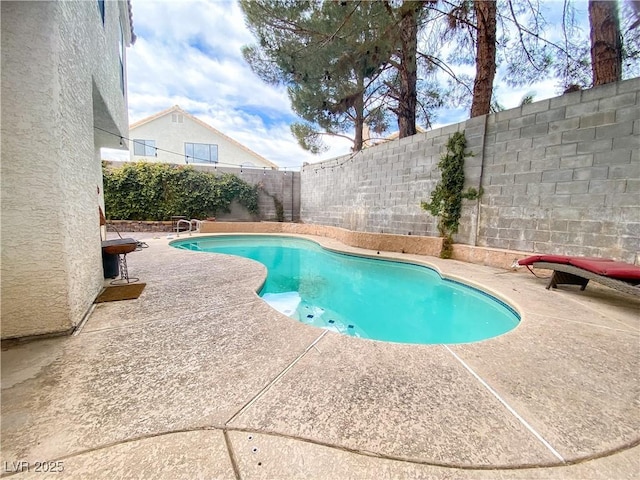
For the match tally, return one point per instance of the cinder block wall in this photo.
(380, 189)
(562, 175)
(281, 184)
(559, 176)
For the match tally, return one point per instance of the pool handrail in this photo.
(191, 223)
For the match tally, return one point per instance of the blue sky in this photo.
(188, 53)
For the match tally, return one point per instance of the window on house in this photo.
(101, 9)
(176, 118)
(201, 152)
(144, 148)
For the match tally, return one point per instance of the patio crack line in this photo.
(416, 460)
(232, 456)
(266, 388)
(365, 453)
(507, 406)
(116, 443)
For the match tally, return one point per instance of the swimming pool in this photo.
(364, 297)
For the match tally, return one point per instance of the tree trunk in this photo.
(359, 114)
(485, 56)
(606, 43)
(408, 97)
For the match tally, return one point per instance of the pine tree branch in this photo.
(344, 22)
(537, 36)
(520, 30)
(445, 68)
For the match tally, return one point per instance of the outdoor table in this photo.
(120, 247)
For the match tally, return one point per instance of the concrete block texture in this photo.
(562, 124)
(605, 91)
(550, 116)
(573, 158)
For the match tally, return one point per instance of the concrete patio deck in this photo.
(199, 378)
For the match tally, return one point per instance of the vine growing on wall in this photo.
(279, 209)
(446, 198)
(277, 203)
(157, 191)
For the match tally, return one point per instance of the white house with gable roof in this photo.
(176, 136)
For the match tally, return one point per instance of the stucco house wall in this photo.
(171, 128)
(62, 79)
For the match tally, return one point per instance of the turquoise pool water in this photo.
(364, 297)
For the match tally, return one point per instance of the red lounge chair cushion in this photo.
(619, 270)
(559, 259)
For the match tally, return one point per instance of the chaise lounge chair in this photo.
(579, 270)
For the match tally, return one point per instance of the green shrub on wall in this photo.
(156, 191)
(446, 198)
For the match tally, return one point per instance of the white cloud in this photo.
(511, 97)
(188, 53)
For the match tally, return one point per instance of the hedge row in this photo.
(157, 191)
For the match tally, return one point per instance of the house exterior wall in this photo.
(559, 176)
(170, 137)
(60, 78)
